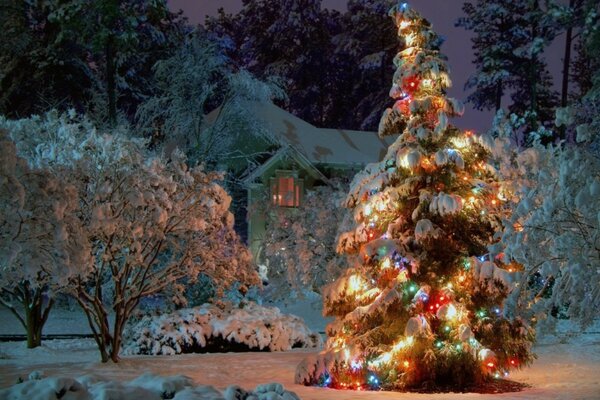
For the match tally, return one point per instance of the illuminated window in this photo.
(286, 189)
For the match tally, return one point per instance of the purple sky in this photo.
(441, 13)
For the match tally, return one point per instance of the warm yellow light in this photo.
(338, 343)
(402, 276)
(356, 284)
(386, 264)
(408, 341)
(387, 357)
(452, 312)
(346, 354)
(460, 142)
(406, 364)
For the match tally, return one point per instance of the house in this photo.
(306, 157)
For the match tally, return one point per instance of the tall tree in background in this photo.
(284, 38)
(40, 66)
(316, 53)
(492, 23)
(62, 52)
(416, 307)
(509, 41)
(366, 46)
(533, 94)
(585, 64)
(124, 39)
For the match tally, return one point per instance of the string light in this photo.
(452, 312)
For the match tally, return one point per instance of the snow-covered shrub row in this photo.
(147, 387)
(210, 329)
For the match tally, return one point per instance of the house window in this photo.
(286, 189)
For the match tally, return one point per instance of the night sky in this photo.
(441, 13)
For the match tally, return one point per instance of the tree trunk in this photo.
(111, 90)
(33, 332)
(498, 95)
(35, 315)
(567, 62)
(565, 72)
(533, 78)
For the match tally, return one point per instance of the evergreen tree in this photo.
(493, 23)
(584, 64)
(509, 41)
(322, 80)
(533, 95)
(124, 39)
(367, 42)
(287, 39)
(420, 303)
(60, 54)
(40, 66)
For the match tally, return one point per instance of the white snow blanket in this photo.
(146, 387)
(193, 329)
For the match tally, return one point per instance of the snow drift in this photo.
(147, 386)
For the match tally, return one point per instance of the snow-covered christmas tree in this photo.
(421, 304)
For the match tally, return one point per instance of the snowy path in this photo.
(563, 371)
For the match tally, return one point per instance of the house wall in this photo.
(259, 193)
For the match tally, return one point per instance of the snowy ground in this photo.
(563, 370)
(567, 367)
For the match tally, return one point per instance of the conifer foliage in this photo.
(421, 304)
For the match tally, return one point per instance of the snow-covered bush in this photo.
(42, 241)
(147, 387)
(555, 233)
(299, 244)
(211, 329)
(553, 227)
(153, 224)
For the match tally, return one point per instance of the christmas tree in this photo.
(421, 304)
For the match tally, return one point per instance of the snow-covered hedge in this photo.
(210, 329)
(147, 387)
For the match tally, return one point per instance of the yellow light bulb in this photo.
(452, 312)
(355, 284)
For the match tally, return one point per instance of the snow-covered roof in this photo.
(318, 145)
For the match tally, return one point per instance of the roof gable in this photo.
(318, 145)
